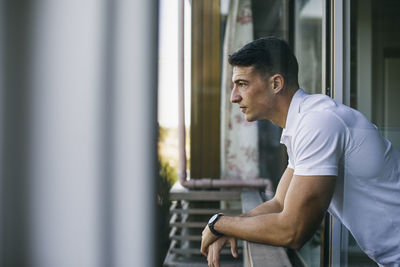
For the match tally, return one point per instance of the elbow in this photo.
(295, 232)
(295, 240)
(296, 244)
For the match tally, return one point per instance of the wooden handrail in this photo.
(261, 255)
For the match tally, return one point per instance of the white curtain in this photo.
(239, 138)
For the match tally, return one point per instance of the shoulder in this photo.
(317, 102)
(324, 120)
(320, 129)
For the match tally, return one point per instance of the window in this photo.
(366, 61)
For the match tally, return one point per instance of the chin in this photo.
(249, 119)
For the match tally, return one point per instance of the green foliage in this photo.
(168, 174)
(167, 177)
(162, 134)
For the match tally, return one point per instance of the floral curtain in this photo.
(239, 138)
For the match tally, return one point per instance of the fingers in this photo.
(214, 250)
(205, 253)
(203, 249)
(207, 239)
(234, 251)
(209, 259)
(213, 256)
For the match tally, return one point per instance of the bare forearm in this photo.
(274, 205)
(271, 206)
(305, 204)
(266, 228)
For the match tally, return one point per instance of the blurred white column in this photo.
(65, 123)
(1, 123)
(78, 105)
(135, 116)
(68, 199)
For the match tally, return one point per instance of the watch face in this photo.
(213, 218)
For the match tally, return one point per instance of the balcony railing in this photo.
(261, 255)
(188, 220)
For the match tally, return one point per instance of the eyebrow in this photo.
(240, 80)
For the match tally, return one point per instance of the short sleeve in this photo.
(290, 163)
(285, 142)
(319, 144)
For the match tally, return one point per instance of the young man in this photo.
(338, 162)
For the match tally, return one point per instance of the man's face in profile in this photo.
(252, 93)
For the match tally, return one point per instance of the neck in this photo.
(283, 103)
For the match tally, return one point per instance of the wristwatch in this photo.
(212, 221)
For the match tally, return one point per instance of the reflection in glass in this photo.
(308, 43)
(374, 79)
(308, 50)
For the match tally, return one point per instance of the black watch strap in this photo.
(212, 221)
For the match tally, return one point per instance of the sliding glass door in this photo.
(365, 62)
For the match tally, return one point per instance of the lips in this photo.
(243, 109)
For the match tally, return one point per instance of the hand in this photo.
(216, 247)
(207, 238)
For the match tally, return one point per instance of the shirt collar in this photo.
(294, 109)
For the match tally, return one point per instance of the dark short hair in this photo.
(268, 56)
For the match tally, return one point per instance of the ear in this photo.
(278, 82)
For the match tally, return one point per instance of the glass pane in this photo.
(375, 60)
(269, 19)
(308, 43)
(355, 256)
(375, 68)
(308, 50)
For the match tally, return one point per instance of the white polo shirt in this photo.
(324, 137)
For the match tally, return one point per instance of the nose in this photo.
(235, 97)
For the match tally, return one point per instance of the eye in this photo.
(242, 84)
